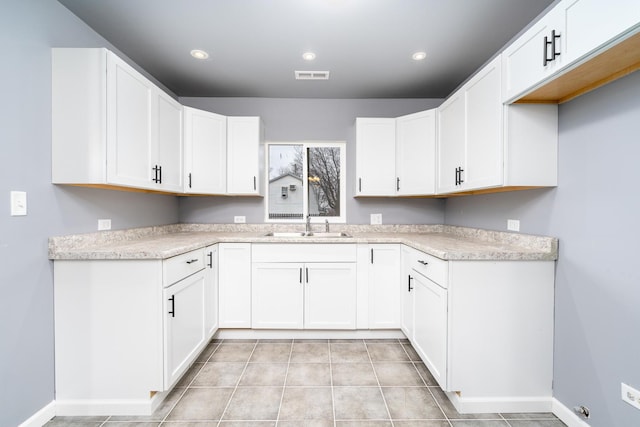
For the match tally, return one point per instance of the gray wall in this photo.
(593, 212)
(28, 29)
(314, 119)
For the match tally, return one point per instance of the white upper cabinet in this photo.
(416, 154)
(245, 156)
(205, 149)
(569, 33)
(396, 156)
(375, 154)
(483, 144)
(111, 125)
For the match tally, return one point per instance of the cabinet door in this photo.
(244, 160)
(483, 120)
(416, 153)
(235, 285)
(407, 292)
(384, 292)
(168, 139)
(451, 143)
(184, 333)
(524, 64)
(211, 291)
(591, 24)
(375, 157)
(129, 122)
(277, 296)
(430, 333)
(330, 296)
(205, 146)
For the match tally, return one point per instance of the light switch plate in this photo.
(18, 203)
(376, 219)
(104, 224)
(240, 219)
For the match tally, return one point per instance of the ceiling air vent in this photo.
(312, 75)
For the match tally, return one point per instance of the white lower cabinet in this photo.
(125, 330)
(315, 291)
(184, 332)
(407, 291)
(235, 285)
(383, 274)
(211, 290)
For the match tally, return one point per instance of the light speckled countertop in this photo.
(442, 241)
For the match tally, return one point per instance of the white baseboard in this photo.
(479, 405)
(41, 417)
(566, 415)
(308, 334)
(88, 407)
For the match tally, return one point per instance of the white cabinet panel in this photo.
(330, 296)
(205, 147)
(245, 151)
(451, 143)
(168, 136)
(384, 292)
(430, 333)
(407, 292)
(277, 295)
(235, 285)
(375, 154)
(416, 153)
(211, 291)
(184, 332)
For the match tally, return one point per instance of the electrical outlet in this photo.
(240, 219)
(376, 219)
(513, 225)
(104, 224)
(630, 395)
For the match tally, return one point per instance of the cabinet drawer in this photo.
(303, 252)
(181, 266)
(431, 267)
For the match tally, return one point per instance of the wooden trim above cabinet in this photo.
(612, 64)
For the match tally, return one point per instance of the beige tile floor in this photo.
(309, 383)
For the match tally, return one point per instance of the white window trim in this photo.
(342, 219)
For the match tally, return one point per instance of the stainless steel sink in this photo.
(303, 234)
(285, 234)
(327, 234)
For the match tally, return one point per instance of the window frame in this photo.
(342, 218)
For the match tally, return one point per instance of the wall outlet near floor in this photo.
(104, 224)
(240, 219)
(630, 395)
(376, 219)
(513, 224)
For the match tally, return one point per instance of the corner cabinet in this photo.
(126, 331)
(396, 156)
(245, 156)
(111, 126)
(483, 144)
(205, 150)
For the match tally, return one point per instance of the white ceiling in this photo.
(256, 45)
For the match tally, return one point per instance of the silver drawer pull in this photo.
(191, 261)
(423, 262)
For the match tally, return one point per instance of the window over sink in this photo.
(306, 179)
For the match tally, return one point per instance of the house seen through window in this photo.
(306, 178)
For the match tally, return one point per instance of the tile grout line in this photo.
(413, 363)
(375, 374)
(237, 383)
(333, 396)
(284, 384)
(164, 419)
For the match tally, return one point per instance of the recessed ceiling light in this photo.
(308, 56)
(419, 56)
(199, 54)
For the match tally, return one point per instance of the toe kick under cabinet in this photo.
(126, 330)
